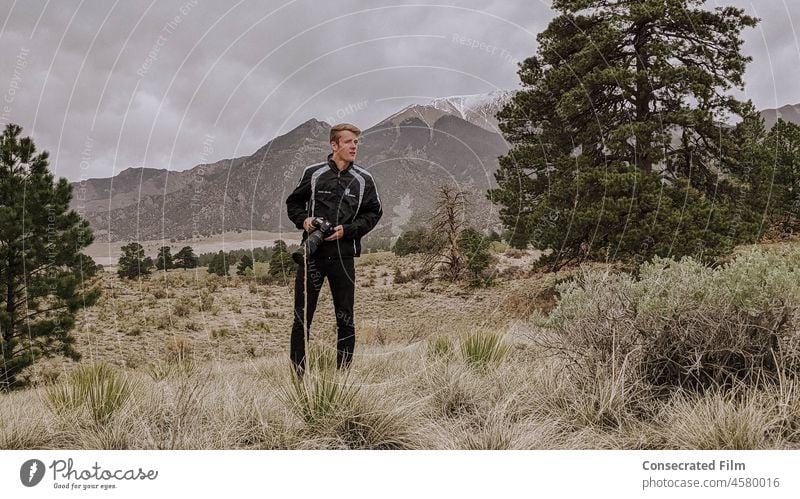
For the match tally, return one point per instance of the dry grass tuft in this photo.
(716, 421)
(97, 388)
(481, 349)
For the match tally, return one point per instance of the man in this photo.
(345, 195)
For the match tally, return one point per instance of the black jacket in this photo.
(348, 198)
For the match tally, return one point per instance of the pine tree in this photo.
(620, 148)
(219, 264)
(133, 263)
(43, 275)
(185, 258)
(281, 263)
(87, 266)
(245, 262)
(164, 260)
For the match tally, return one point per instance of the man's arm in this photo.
(297, 202)
(367, 218)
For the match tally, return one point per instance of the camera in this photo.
(314, 240)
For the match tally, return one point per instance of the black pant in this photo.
(341, 276)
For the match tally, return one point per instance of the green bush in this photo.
(475, 249)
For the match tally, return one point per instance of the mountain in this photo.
(478, 109)
(788, 113)
(408, 157)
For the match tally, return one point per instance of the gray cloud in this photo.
(105, 86)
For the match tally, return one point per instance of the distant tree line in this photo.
(133, 263)
(261, 254)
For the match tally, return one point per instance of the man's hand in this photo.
(338, 232)
(308, 226)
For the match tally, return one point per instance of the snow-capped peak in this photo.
(478, 109)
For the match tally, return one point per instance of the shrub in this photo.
(183, 307)
(682, 324)
(206, 300)
(401, 278)
(179, 349)
(219, 333)
(475, 250)
(454, 393)
(368, 426)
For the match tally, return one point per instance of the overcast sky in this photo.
(105, 85)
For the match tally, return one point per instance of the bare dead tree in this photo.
(447, 221)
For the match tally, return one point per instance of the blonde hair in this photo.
(336, 130)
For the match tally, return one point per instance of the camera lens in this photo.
(309, 246)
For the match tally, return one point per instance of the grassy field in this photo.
(586, 358)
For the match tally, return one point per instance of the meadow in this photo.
(674, 356)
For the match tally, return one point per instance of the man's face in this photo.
(346, 147)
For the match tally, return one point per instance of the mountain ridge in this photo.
(410, 153)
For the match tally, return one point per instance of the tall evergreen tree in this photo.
(164, 260)
(620, 147)
(42, 271)
(133, 263)
(281, 263)
(185, 258)
(219, 264)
